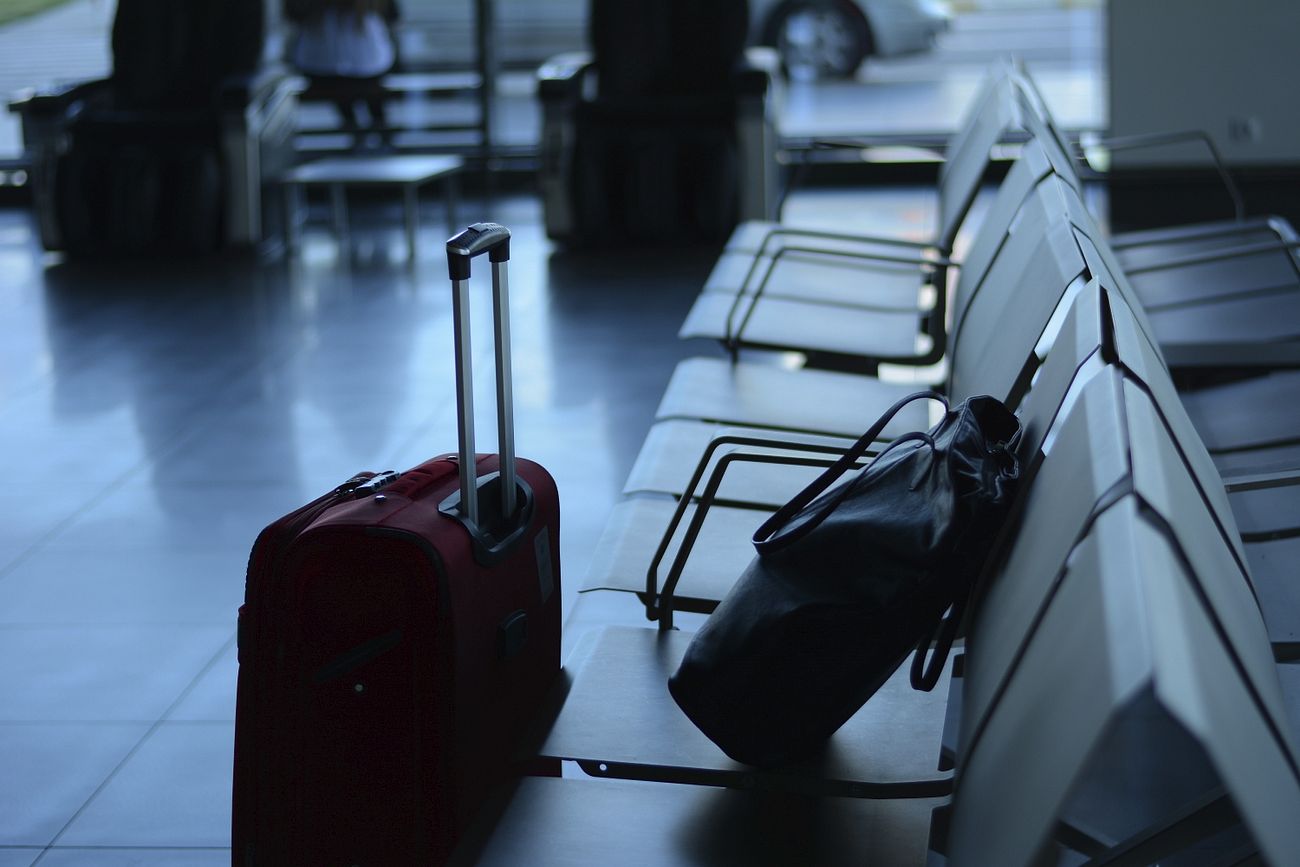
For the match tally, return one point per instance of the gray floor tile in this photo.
(290, 439)
(174, 792)
(101, 673)
(151, 513)
(57, 585)
(48, 772)
(10, 556)
(30, 519)
(212, 699)
(18, 857)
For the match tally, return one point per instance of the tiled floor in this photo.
(156, 416)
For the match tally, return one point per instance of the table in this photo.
(407, 171)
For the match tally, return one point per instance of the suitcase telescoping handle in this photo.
(494, 240)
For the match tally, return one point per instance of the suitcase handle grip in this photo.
(490, 238)
(493, 239)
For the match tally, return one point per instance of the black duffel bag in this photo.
(847, 582)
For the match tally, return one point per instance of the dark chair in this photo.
(663, 133)
(170, 153)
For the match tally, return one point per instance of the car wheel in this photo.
(819, 40)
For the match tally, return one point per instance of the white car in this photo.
(831, 38)
(815, 37)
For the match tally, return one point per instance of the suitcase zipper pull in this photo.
(376, 483)
(365, 484)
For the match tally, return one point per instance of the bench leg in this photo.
(340, 202)
(452, 193)
(292, 203)
(412, 200)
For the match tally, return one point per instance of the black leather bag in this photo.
(847, 582)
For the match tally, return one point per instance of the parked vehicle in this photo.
(816, 38)
(831, 38)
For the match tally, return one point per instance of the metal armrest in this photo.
(46, 104)
(1132, 142)
(1220, 255)
(925, 147)
(1271, 356)
(660, 606)
(794, 231)
(732, 333)
(1261, 481)
(1202, 231)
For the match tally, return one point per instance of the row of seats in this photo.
(1128, 688)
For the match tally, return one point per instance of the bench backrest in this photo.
(1125, 714)
(1039, 123)
(1000, 320)
(1142, 363)
(1118, 668)
(1027, 170)
(992, 114)
(1086, 459)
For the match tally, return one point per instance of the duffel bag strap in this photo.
(926, 675)
(766, 538)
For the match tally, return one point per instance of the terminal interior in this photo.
(179, 374)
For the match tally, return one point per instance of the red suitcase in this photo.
(397, 637)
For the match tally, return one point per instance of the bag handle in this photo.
(493, 239)
(766, 539)
(654, 604)
(925, 676)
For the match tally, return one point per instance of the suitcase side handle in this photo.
(493, 239)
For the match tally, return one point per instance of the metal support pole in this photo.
(292, 205)
(485, 24)
(411, 200)
(451, 190)
(340, 202)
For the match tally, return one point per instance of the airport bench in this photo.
(1081, 651)
(1129, 686)
(433, 90)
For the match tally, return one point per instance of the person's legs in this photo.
(341, 92)
(347, 113)
(375, 94)
(345, 92)
(377, 115)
